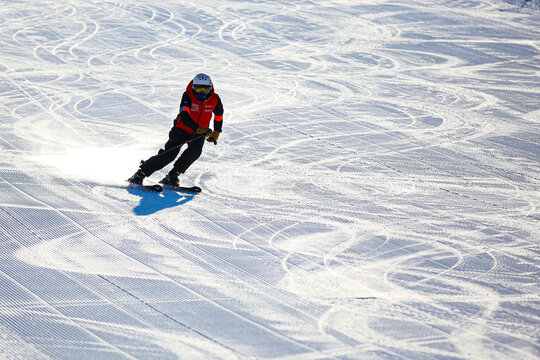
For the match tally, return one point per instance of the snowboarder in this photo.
(191, 125)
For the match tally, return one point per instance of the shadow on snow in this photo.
(152, 202)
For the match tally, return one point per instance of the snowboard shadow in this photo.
(152, 202)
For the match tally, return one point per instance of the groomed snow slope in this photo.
(374, 193)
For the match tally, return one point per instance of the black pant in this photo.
(177, 136)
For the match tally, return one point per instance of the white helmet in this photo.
(202, 79)
(202, 86)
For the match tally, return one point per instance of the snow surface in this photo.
(374, 194)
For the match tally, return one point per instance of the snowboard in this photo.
(150, 188)
(190, 189)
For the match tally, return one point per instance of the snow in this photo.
(374, 193)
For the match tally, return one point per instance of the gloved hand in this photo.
(203, 130)
(213, 137)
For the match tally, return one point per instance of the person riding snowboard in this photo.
(192, 123)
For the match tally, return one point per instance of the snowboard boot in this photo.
(170, 179)
(137, 178)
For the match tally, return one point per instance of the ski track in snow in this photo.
(374, 193)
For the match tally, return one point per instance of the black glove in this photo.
(213, 137)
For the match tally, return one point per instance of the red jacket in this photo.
(195, 113)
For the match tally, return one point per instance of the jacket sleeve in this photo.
(218, 115)
(183, 115)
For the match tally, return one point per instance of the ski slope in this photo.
(374, 193)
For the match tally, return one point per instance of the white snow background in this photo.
(374, 193)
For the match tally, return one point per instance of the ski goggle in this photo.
(202, 89)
